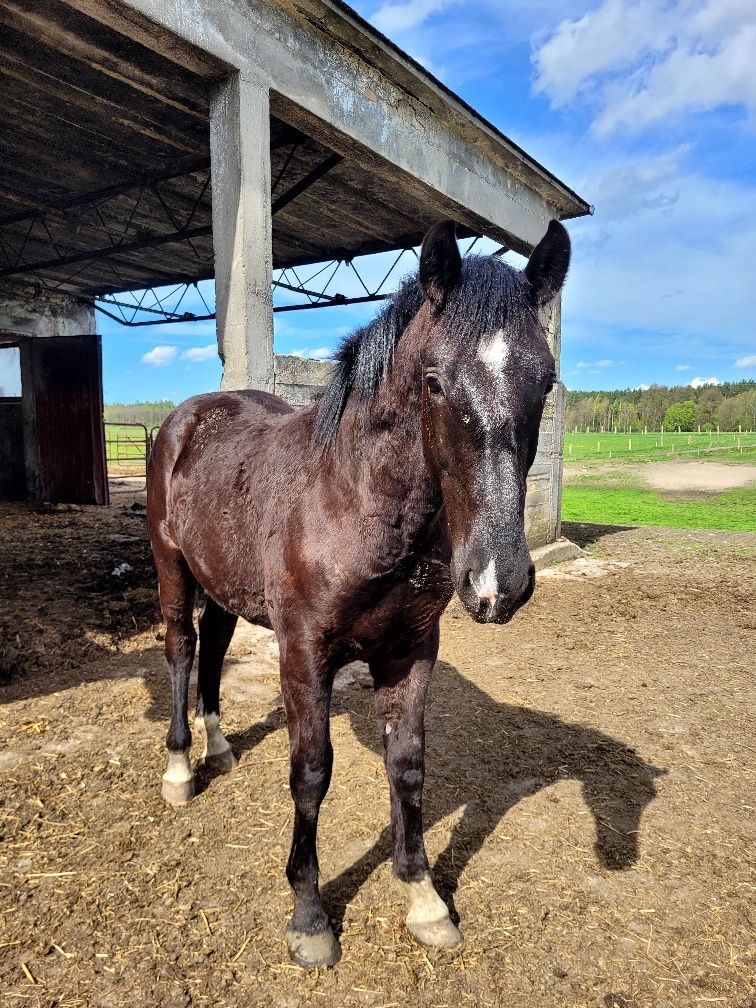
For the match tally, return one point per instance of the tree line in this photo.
(730, 406)
(150, 414)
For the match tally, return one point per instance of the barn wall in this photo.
(32, 314)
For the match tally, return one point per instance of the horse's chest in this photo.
(398, 613)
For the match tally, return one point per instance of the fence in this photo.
(127, 448)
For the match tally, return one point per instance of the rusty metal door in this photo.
(66, 376)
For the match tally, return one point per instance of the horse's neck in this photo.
(384, 444)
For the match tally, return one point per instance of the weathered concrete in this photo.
(242, 232)
(33, 314)
(298, 378)
(322, 60)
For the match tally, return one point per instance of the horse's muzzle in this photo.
(486, 605)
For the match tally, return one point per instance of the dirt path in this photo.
(669, 477)
(589, 812)
(712, 477)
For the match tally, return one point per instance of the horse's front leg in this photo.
(306, 688)
(400, 690)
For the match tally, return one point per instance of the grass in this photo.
(125, 445)
(725, 447)
(731, 510)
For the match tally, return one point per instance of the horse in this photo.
(347, 526)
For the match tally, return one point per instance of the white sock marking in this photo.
(179, 768)
(426, 906)
(215, 741)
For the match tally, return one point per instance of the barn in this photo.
(163, 142)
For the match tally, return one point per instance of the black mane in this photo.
(491, 295)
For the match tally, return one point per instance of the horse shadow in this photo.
(483, 757)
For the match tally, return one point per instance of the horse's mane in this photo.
(491, 295)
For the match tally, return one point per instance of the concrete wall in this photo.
(30, 313)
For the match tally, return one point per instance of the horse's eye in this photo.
(434, 385)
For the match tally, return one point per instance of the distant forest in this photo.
(151, 414)
(730, 406)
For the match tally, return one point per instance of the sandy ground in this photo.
(704, 476)
(668, 477)
(590, 792)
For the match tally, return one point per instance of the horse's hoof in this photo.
(178, 793)
(222, 762)
(438, 934)
(312, 950)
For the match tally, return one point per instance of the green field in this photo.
(726, 447)
(125, 447)
(602, 488)
(733, 510)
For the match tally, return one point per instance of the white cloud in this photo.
(321, 353)
(203, 353)
(641, 63)
(160, 356)
(642, 387)
(683, 367)
(700, 382)
(749, 361)
(398, 17)
(595, 364)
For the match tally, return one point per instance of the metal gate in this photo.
(127, 448)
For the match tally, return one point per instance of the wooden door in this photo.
(65, 410)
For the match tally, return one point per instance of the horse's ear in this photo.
(548, 265)
(440, 263)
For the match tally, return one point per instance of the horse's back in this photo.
(202, 426)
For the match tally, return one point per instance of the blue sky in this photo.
(648, 109)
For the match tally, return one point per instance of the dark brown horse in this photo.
(347, 526)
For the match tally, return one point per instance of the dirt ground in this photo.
(589, 799)
(670, 477)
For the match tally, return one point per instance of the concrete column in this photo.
(242, 232)
(553, 326)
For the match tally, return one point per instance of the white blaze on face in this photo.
(486, 586)
(494, 351)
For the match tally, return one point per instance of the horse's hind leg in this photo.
(177, 589)
(400, 690)
(306, 689)
(216, 628)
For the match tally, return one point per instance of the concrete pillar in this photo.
(553, 326)
(242, 232)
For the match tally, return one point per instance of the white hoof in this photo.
(222, 762)
(437, 934)
(178, 780)
(428, 918)
(313, 950)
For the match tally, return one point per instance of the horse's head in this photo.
(487, 370)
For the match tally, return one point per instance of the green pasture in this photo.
(615, 494)
(125, 445)
(732, 510)
(726, 447)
